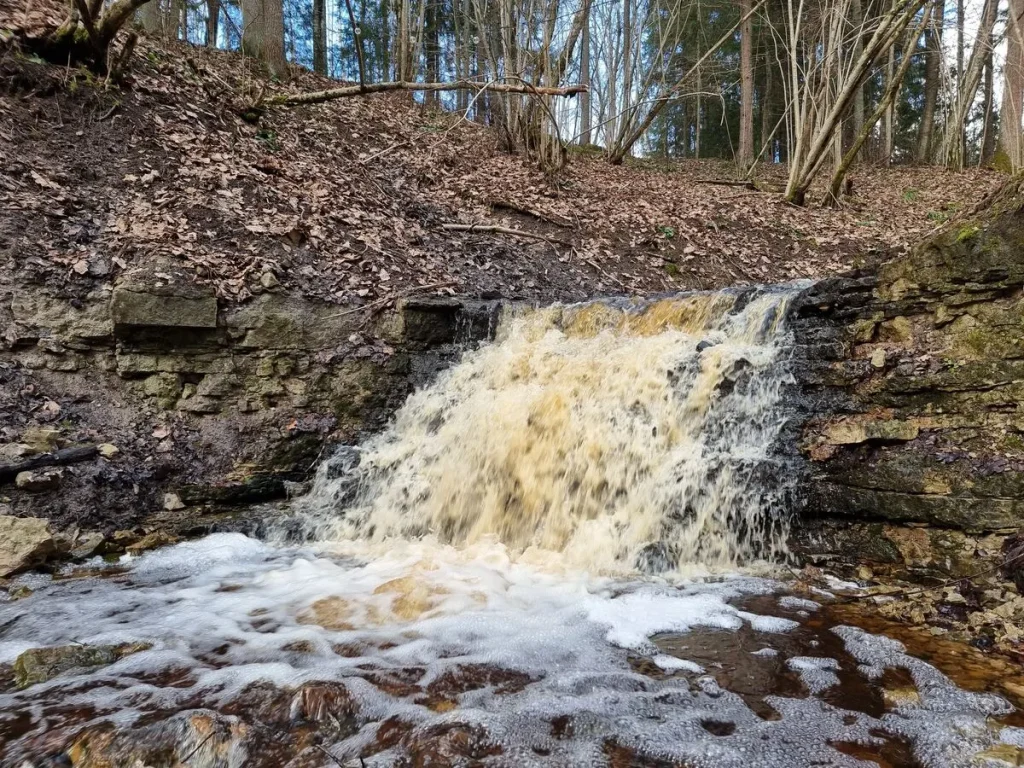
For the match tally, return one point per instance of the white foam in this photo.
(226, 612)
(674, 664)
(792, 602)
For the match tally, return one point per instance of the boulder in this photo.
(24, 542)
(37, 482)
(41, 664)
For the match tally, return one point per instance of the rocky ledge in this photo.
(132, 409)
(913, 393)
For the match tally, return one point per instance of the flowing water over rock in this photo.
(539, 563)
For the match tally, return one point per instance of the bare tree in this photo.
(954, 149)
(824, 81)
(745, 156)
(1010, 138)
(932, 76)
(263, 33)
(320, 36)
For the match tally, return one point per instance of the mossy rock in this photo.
(41, 664)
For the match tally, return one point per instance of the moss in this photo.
(966, 232)
(672, 269)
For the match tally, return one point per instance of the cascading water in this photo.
(621, 435)
(499, 580)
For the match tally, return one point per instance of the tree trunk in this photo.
(585, 130)
(320, 36)
(858, 101)
(212, 22)
(627, 58)
(1013, 88)
(433, 52)
(988, 110)
(967, 88)
(932, 74)
(263, 33)
(890, 110)
(960, 62)
(151, 18)
(745, 156)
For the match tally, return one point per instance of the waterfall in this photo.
(621, 434)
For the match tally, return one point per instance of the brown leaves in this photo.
(346, 201)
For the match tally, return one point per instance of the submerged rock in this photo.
(41, 664)
(24, 542)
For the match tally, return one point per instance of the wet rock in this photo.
(253, 490)
(197, 738)
(172, 502)
(704, 344)
(24, 542)
(852, 432)
(86, 545)
(41, 664)
(332, 613)
(152, 540)
(38, 482)
(108, 450)
(930, 356)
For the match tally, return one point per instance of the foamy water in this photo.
(227, 612)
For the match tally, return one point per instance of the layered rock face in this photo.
(152, 396)
(914, 382)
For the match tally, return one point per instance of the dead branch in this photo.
(373, 306)
(494, 229)
(507, 205)
(318, 97)
(745, 184)
(64, 456)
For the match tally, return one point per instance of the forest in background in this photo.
(818, 86)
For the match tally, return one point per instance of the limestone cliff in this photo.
(915, 381)
(152, 395)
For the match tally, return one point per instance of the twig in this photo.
(601, 269)
(941, 585)
(510, 206)
(495, 229)
(201, 744)
(334, 758)
(109, 113)
(390, 297)
(746, 183)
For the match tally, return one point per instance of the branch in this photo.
(318, 97)
(493, 228)
(357, 34)
(87, 21)
(64, 456)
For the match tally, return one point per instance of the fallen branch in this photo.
(745, 183)
(494, 229)
(514, 207)
(375, 305)
(318, 97)
(64, 456)
(604, 272)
